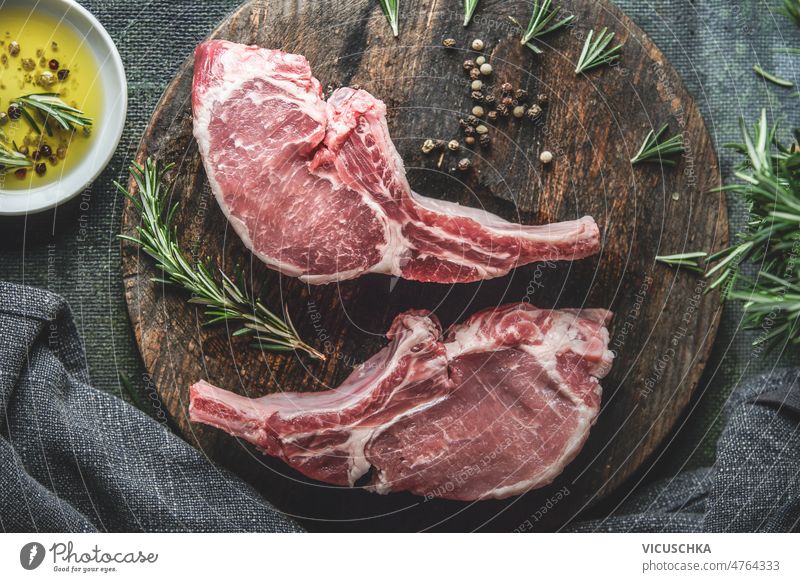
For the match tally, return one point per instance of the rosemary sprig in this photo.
(469, 10)
(229, 301)
(49, 107)
(786, 50)
(772, 78)
(654, 150)
(791, 9)
(391, 9)
(541, 23)
(12, 159)
(686, 260)
(596, 52)
(769, 181)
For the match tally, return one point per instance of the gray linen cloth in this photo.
(73, 458)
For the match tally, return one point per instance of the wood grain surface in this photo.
(664, 325)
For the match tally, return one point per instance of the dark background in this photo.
(73, 250)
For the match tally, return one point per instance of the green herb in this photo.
(541, 23)
(226, 301)
(596, 52)
(391, 10)
(772, 78)
(685, 260)
(12, 159)
(791, 8)
(49, 107)
(769, 181)
(469, 10)
(787, 50)
(654, 150)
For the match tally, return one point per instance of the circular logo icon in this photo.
(31, 555)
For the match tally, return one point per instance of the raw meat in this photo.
(498, 407)
(317, 190)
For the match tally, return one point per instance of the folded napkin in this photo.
(73, 458)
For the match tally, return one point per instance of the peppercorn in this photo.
(453, 145)
(3, 117)
(476, 85)
(489, 99)
(486, 69)
(463, 123)
(478, 111)
(41, 169)
(53, 64)
(534, 112)
(473, 121)
(542, 99)
(449, 43)
(519, 111)
(47, 79)
(63, 74)
(474, 73)
(54, 46)
(507, 87)
(469, 130)
(492, 116)
(477, 96)
(61, 152)
(481, 60)
(45, 150)
(21, 173)
(521, 94)
(469, 65)
(427, 146)
(14, 112)
(482, 129)
(36, 155)
(477, 45)
(507, 101)
(13, 48)
(464, 164)
(28, 65)
(485, 140)
(469, 140)
(502, 110)
(24, 150)
(546, 157)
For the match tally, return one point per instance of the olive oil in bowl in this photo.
(41, 54)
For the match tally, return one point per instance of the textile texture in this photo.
(76, 459)
(74, 252)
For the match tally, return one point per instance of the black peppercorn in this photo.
(485, 140)
(14, 111)
(507, 101)
(469, 130)
(477, 96)
(45, 150)
(492, 116)
(521, 94)
(490, 99)
(449, 43)
(53, 64)
(41, 169)
(21, 173)
(502, 110)
(464, 164)
(473, 121)
(507, 87)
(469, 65)
(543, 99)
(474, 74)
(63, 74)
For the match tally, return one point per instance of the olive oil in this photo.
(40, 54)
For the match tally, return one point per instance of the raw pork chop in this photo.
(498, 407)
(317, 190)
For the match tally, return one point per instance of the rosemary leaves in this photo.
(228, 300)
(48, 107)
(791, 9)
(12, 160)
(469, 10)
(772, 78)
(391, 9)
(541, 23)
(596, 51)
(654, 150)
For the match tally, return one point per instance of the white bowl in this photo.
(106, 130)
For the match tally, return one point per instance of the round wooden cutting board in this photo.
(664, 325)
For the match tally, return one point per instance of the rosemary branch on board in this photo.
(685, 260)
(541, 23)
(391, 9)
(772, 78)
(655, 150)
(49, 107)
(229, 301)
(469, 10)
(596, 51)
(12, 160)
(769, 181)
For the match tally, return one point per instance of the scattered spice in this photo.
(14, 111)
(53, 64)
(478, 45)
(481, 60)
(449, 43)
(542, 99)
(428, 146)
(476, 85)
(453, 145)
(546, 157)
(13, 48)
(469, 140)
(28, 64)
(506, 87)
(519, 111)
(485, 140)
(464, 164)
(486, 69)
(477, 96)
(492, 116)
(3, 117)
(475, 73)
(63, 74)
(482, 129)
(469, 65)
(478, 111)
(534, 112)
(41, 169)
(520, 94)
